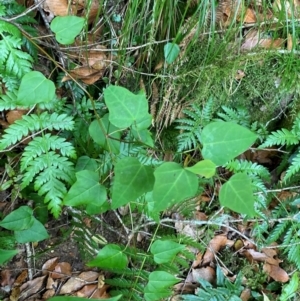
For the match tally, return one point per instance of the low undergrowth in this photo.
(195, 150)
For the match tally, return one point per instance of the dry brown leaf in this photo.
(49, 265)
(262, 257)
(48, 294)
(61, 270)
(59, 7)
(50, 283)
(246, 294)
(207, 273)
(271, 43)
(14, 115)
(198, 260)
(31, 287)
(87, 290)
(101, 293)
(185, 287)
(86, 74)
(250, 16)
(6, 278)
(200, 216)
(276, 272)
(76, 283)
(217, 243)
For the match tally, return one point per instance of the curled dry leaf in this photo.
(86, 74)
(61, 270)
(215, 245)
(276, 272)
(198, 260)
(49, 265)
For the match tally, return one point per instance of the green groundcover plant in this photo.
(106, 164)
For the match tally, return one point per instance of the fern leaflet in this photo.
(281, 137)
(249, 168)
(293, 168)
(50, 171)
(22, 127)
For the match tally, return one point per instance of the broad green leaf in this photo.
(35, 88)
(173, 184)
(86, 190)
(237, 194)
(20, 219)
(110, 257)
(67, 298)
(223, 141)
(86, 163)
(106, 134)
(171, 52)
(126, 108)
(132, 179)
(157, 287)
(143, 136)
(36, 232)
(6, 255)
(66, 28)
(205, 168)
(165, 250)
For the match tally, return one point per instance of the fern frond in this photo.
(208, 110)
(248, 167)
(43, 144)
(240, 116)
(50, 171)
(22, 127)
(9, 100)
(281, 137)
(191, 126)
(6, 27)
(278, 231)
(294, 252)
(293, 168)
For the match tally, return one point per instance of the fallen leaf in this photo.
(59, 7)
(250, 16)
(86, 74)
(206, 273)
(31, 287)
(276, 272)
(87, 290)
(76, 283)
(14, 115)
(49, 265)
(246, 294)
(61, 270)
(217, 243)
